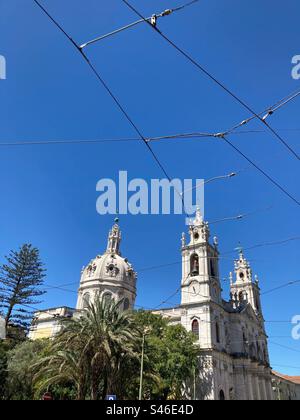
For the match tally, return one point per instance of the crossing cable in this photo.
(264, 114)
(186, 292)
(157, 309)
(267, 112)
(187, 136)
(262, 171)
(256, 340)
(111, 140)
(106, 87)
(152, 20)
(145, 269)
(195, 135)
(207, 297)
(240, 216)
(113, 96)
(291, 283)
(214, 79)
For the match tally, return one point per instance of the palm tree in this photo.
(92, 351)
(62, 367)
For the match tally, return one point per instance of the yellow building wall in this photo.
(41, 333)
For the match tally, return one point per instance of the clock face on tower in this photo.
(194, 288)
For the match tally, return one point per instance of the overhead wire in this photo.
(120, 106)
(150, 268)
(106, 87)
(134, 126)
(267, 111)
(178, 136)
(152, 20)
(262, 171)
(185, 136)
(215, 80)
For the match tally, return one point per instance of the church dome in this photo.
(109, 274)
(109, 266)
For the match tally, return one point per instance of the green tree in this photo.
(20, 280)
(3, 369)
(92, 352)
(19, 381)
(170, 355)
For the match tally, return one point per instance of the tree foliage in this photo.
(20, 279)
(91, 352)
(16, 375)
(19, 385)
(3, 369)
(98, 353)
(171, 356)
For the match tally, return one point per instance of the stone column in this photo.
(269, 387)
(256, 390)
(249, 386)
(240, 383)
(263, 393)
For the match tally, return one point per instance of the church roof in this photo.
(110, 266)
(294, 379)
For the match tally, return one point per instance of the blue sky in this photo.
(49, 192)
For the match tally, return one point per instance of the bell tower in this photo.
(200, 265)
(243, 289)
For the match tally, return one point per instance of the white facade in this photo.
(109, 275)
(234, 362)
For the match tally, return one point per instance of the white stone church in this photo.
(234, 362)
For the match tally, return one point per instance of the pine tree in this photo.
(20, 280)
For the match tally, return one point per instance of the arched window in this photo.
(257, 303)
(245, 343)
(218, 333)
(257, 349)
(195, 328)
(212, 267)
(265, 354)
(126, 304)
(252, 350)
(194, 265)
(86, 301)
(222, 395)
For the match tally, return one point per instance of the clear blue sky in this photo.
(49, 192)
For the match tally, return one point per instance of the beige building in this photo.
(46, 324)
(286, 388)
